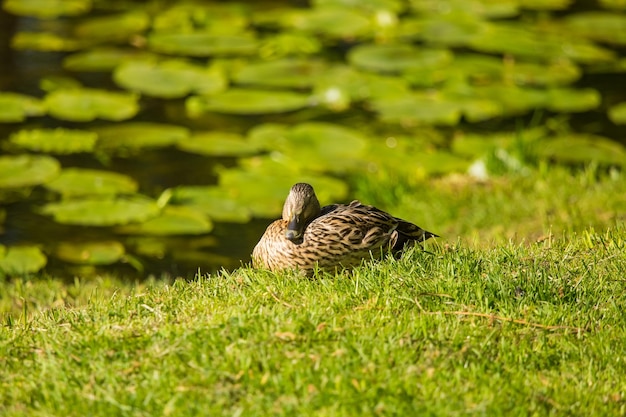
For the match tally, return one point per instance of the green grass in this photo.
(522, 327)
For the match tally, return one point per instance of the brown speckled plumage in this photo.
(339, 235)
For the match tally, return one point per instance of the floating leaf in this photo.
(599, 26)
(397, 58)
(78, 181)
(47, 9)
(333, 22)
(103, 59)
(216, 19)
(102, 211)
(578, 148)
(125, 24)
(169, 79)
(16, 107)
(287, 44)
(573, 100)
(215, 202)
(452, 29)
(138, 135)
(59, 140)
(617, 114)
(20, 260)
(202, 44)
(289, 73)
(243, 101)
(172, 221)
(418, 108)
(90, 253)
(368, 5)
(263, 184)
(27, 170)
(218, 144)
(481, 8)
(45, 41)
(86, 104)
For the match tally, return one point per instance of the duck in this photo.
(309, 237)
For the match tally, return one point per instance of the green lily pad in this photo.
(215, 202)
(490, 9)
(513, 100)
(47, 9)
(368, 5)
(77, 181)
(87, 104)
(213, 18)
(46, 41)
(579, 148)
(27, 170)
(59, 140)
(262, 185)
(172, 221)
(288, 44)
(202, 44)
(569, 100)
(169, 79)
(126, 25)
(617, 114)
(102, 211)
(397, 58)
(218, 144)
(599, 26)
(288, 73)
(139, 135)
(418, 109)
(90, 253)
(332, 22)
(451, 29)
(103, 58)
(20, 260)
(14, 108)
(244, 101)
(520, 41)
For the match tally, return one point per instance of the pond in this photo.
(162, 137)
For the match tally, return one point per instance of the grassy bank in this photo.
(515, 330)
(522, 314)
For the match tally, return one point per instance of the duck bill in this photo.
(294, 231)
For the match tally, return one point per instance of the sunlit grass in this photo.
(491, 326)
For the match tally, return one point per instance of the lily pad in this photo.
(46, 41)
(90, 253)
(172, 221)
(579, 148)
(102, 211)
(87, 104)
(103, 58)
(79, 182)
(569, 100)
(202, 44)
(47, 9)
(451, 29)
(244, 101)
(288, 44)
(20, 260)
(617, 114)
(14, 108)
(58, 141)
(397, 58)
(288, 73)
(418, 109)
(27, 170)
(600, 26)
(139, 135)
(169, 79)
(262, 184)
(125, 24)
(332, 22)
(481, 8)
(217, 203)
(214, 18)
(218, 144)
(395, 6)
